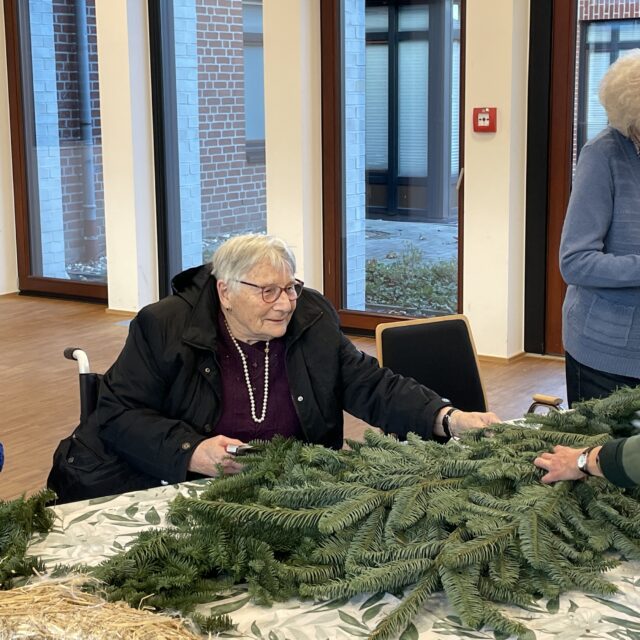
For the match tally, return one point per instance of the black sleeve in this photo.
(620, 461)
(392, 402)
(130, 407)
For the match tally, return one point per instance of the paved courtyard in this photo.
(387, 239)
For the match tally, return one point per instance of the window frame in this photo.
(436, 182)
(165, 142)
(21, 119)
(332, 170)
(614, 47)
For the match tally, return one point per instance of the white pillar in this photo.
(497, 40)
(292, 130)
(127, 148)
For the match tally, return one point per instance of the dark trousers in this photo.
(584, 383)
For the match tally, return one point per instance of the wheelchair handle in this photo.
(77, 354)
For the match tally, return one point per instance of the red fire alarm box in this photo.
(485, 119)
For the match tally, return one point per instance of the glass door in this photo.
(602, 34)
(209, 128)
(56, 139)
(399, 83)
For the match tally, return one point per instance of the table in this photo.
(89, 531)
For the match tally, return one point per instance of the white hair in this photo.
(238, 255)
(620, 93)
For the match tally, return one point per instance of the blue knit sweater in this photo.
(600, 257)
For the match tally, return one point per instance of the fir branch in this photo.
(295, 519)
(411, 551)
(19, 520)
(461, 588)
(471, 518)
(349, 512)
(504, 569)
(393, 576)
(400, 617)
(494, 618)
(479, 550)
(213, 624)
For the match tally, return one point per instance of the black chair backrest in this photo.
(437, 352)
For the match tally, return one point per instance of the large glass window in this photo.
(207, 61)
(56, 124)
(602, 42)
(401, 97)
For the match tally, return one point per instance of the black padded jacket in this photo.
(161, 397)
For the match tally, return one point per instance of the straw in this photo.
(59, 609)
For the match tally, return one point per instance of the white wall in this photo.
(8, 259)
(293, 130)
(494, 179)
(127, 152)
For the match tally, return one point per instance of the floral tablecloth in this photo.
(91, 530)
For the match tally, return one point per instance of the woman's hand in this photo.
(211, 453)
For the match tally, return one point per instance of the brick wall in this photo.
(608, 9)
(64, 26)
(227, 195)
(233, 193)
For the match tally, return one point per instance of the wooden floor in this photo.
(39, 388)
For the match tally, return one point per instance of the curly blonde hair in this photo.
(620, 93)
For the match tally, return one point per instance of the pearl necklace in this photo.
(247, 379)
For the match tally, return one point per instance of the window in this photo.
(602, 43)
(403, 163)
(394, 206)
(254, 81)
(579, 40)
(55, 113)
(207, 68)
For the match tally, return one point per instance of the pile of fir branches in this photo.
(19, 520)
(469, 518)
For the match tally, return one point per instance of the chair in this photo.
(83, 466)
(437, 352)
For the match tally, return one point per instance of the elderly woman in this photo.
(600, 261)
(240, 351)
(600, 247)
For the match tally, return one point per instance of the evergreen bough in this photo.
(469, 518)
(19, 520)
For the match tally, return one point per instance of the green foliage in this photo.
(213, 624)
(469, 518)
(612, 415)
(422, 287)
(19, 520)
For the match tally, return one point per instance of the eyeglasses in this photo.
(272, 292)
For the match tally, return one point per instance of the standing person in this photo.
(600, 246)
(240, 351)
